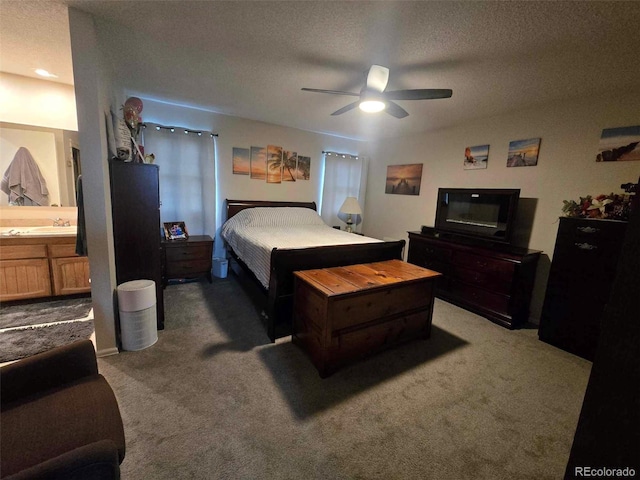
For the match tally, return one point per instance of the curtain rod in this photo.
(343, 155)
(179, 129)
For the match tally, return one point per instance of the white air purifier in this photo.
(138, 318)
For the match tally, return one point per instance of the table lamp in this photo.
(350, 207)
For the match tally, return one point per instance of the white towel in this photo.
(23, 181)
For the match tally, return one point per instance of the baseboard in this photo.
(105, 352)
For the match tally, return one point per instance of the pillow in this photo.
(276, 217)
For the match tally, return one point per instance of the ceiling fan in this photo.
(374, 98)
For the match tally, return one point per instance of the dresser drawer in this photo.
(480, 297)
(583, 230)
(483, 278)
(500, 270)
(188, 267)
(188, 252)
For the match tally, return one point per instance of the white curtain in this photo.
(187, 177)
(344, 176)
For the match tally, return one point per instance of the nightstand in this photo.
(190, 258)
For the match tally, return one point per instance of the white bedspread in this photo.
(253, 240)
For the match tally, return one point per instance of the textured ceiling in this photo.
(250, 59)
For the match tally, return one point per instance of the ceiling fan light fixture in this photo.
(372, 106)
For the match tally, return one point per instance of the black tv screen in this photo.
(487, 214)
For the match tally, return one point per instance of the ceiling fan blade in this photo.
(332, 92)
(346, 108)
(419, 94)
(395, 110)
(378, 78)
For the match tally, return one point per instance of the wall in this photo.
(570, 133)
(238, 132)
(43, 103)
(94, 90)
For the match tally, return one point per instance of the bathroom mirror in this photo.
(56, 153)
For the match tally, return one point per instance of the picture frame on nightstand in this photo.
(175, 231)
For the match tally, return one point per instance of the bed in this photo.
(275, 250)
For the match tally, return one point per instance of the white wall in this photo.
(566, 169)
(238, 132)
(43, 103)
(93, 91)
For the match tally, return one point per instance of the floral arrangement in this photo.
(612, 206)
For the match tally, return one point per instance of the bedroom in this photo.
(570, 130)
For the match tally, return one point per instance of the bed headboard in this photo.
(235, 206)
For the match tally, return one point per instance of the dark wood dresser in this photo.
(582, 272)
(188, 258)
(492, 280)
(345, 313)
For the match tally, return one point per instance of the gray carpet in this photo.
(212, 399)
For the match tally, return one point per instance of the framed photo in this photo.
(404, 179)
(175, 231)
(523, 153)
(476, 157)
(619, 144)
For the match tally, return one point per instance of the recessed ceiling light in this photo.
(44, 73)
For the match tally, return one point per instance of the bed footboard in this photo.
(286, 261)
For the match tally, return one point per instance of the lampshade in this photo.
(351, 206)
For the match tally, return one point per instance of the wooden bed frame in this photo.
(286, 261)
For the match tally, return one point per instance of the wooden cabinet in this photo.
(190, 258)
(69, 272)
(135, 205)
(37, 266)
(494, 281)
(582, 271)
(345, 313)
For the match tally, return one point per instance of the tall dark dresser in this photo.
(582, 273)
(135, 203)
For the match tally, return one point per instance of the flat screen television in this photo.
(481, 213)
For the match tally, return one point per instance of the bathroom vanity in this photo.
(41, 265)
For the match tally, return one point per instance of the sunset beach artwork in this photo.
(476, 157)
(289, 166)
(303, 171)
(240, 161)
(404, 179)
(619, 144)
(274, 164)
(258, 163)
(523, 153)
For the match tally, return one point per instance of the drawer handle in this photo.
(588, 229)
(585, 246)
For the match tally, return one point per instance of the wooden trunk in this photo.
(345, 313)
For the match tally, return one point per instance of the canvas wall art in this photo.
(274, 164)
(619, 144)
(404, 179)
(240, 161)
(289, 166)
(476, 157)
(258, 163)
(523, 153)
(304, 168)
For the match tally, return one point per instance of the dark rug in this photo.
(17, 343)
(24, 342)
(44, 312)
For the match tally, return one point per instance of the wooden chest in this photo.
(345, 313)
